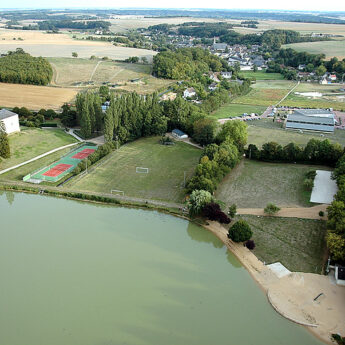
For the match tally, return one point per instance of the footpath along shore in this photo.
(293, 295)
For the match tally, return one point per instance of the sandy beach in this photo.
(293, 296)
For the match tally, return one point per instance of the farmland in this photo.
(254, 184)
(329, 48)
(233, 109)
(31, 142)
(62, 45)
(164, 181)
(34, 97)
(69, 72)
(297, 243)
(260, 132)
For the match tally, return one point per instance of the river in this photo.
(74, 273)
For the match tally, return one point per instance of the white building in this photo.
(10, 120)
(190, 92)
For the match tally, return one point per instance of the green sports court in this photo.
(66, 164)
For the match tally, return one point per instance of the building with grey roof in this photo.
(10, 121)
(318, 120)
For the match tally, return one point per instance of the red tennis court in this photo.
(83, 154)
(57, 170)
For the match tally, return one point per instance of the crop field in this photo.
(69, 72)
(31, 142)
(299, 244)
(254, 184)
(262, 75)
(260, 132)
(62, 45)
(34, 97)
(166, 165)
(329, 48)
(234, 109)
(262, 97)
(331, 97)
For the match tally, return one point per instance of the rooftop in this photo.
(4, 114)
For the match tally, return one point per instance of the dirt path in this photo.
(287, 94)
(94, 70)
(55, 74)
(293, 296)
(290, 212)
(115, 74)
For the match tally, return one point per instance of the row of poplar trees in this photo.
(131, 116)
(89, 114)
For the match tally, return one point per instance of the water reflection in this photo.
(9, 197)
(200, 234)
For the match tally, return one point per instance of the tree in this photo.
(255, 68)
(4, 143)
(321, 70)
(235, 132)
(204, 130)
(198, 199)
(271, 209)
(74, 54)
(336, 246)
(212, 211)
(240, 231)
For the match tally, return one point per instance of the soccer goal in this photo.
(117, 192)
(142, 170)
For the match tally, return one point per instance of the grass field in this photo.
(76, 72)
(164, 181)
(19, 173)
(262, 75)
(329, 48)
(260, 132)
(297, 243)
(254, 184)
(34, 97)
(332, 97)
(32, 142)
(233, 109)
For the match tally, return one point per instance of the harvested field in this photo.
(329, 48)
(254, 184)
(80, 72)
(34, 97)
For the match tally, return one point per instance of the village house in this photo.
(212, 87)
(226, 75)
(189, 92)
(10, 121)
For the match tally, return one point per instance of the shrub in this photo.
(321, 213)
(198, 199)
(308, 184)
(311, 174)
(240, 231)
(271, 209)
(250, 244)
(232, 210)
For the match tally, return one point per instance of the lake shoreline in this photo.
(289, 296)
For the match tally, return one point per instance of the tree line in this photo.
(19, 67)
(315, 152)
(4, 143)
(54, 25)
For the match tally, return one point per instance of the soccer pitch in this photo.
(165, 177)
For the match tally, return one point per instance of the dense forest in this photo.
(54, 25)
(186, 63)
(21, 68)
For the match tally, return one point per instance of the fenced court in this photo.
(63, 166)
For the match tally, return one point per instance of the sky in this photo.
(298, 5)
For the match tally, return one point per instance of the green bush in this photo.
(271, 209)
(308, 184)
(321, 213)
(232, 211)
(240, 231)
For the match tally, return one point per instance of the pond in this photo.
(77, 273)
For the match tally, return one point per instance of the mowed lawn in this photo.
(263, 131)
(262, 75)
(299, 244)
(164, 181)
(234, 109)
(31, 142)
(254, 184)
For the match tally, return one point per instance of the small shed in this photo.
(179, 134)
(340, 275)
(10, 120)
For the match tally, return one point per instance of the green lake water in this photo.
(78, 274)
